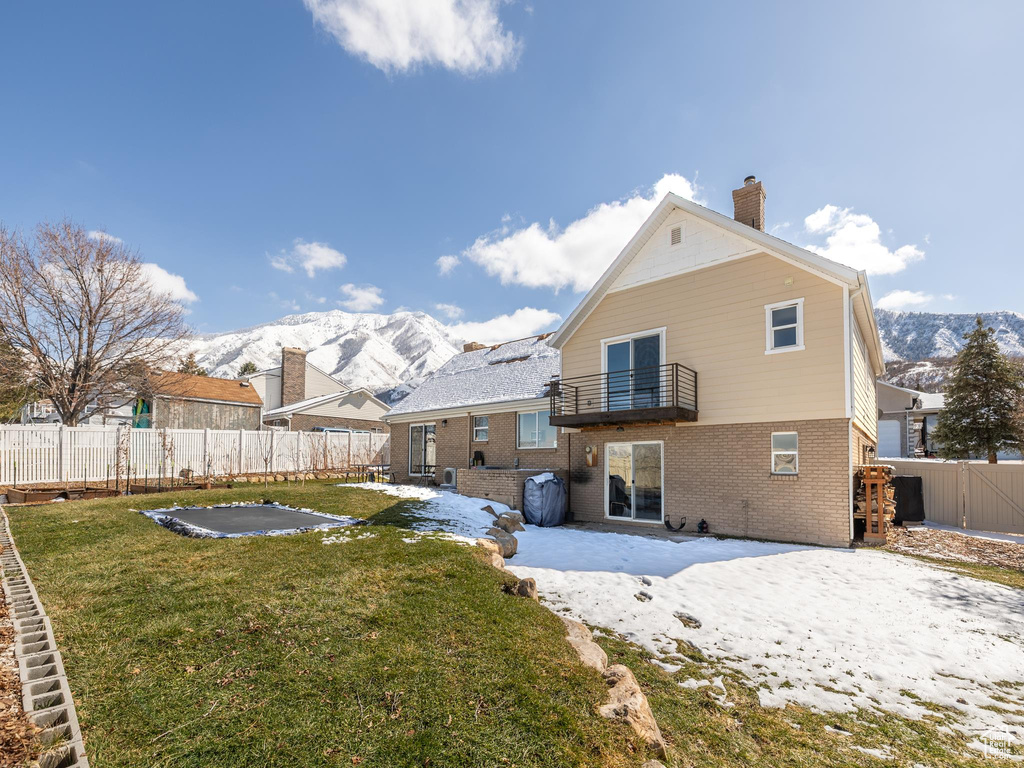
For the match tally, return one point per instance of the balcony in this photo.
(659, 394)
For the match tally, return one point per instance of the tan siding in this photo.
(865, 409)
(715, 322)
(268, 385)
(318, 383)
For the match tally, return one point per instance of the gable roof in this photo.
(773, 246)
(188, 387)
(276, 371)
(311, 402)
(515, 370)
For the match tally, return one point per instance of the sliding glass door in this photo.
(422, 449)
(633, 369)
(635, 480)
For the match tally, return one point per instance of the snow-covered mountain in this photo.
(919, 347)
(387, 354)
(922, 335)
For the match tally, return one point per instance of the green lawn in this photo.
(285, 652)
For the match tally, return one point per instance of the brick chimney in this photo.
(748, 203)
(472, 346)
(293, 375)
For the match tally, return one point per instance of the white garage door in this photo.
(889, 439)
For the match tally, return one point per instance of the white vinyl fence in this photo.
(970, 494)
(58, 454)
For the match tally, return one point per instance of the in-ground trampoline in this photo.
(236, 520)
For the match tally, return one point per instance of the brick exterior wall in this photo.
(302, 422)
(455, 447)
(293, 375)
(748, 205)
(859, 442)
(722, 473)
(501, 485)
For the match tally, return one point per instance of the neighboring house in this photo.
(906, 420)
(716, 372)
(182, 401)
(106, 411)
(486, 407)
(300, 397)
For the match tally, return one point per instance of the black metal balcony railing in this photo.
(657, 393)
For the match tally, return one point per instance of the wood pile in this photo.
(874, 481)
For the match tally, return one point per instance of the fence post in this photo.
(206, 451)
(272, 450)
(348, 465)
(60, 453)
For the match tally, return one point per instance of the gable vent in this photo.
(676, 235)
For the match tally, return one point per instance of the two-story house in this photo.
(718, 373)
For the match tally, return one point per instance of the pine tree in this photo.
(190, 366)
(985, 394)
(248, 368)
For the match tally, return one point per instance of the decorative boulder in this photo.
(582, 640)
(506, 541)
(508, 524)
(489, 509)
(627, 703)
(527, 588)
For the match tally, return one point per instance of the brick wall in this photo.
(455, 446)
(748, 205)
(722, 473)
(501, 485)
(293, 375)
(302, 422)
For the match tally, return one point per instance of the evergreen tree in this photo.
(248, 368)
(984, 398)
(190, 366)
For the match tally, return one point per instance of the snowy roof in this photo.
(931, 401)
(515, 370)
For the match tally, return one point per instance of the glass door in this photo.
(633, 373)
(422, 449)
(634, 481)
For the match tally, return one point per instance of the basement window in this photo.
(785, 453)
(480, 429)
(784, 326)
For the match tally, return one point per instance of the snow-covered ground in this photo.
(832, 629)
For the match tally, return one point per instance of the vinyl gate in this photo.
(970, 494)
(57, 454)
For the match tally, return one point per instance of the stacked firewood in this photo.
(873, 473)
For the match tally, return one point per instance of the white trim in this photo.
(503, 406)
(521, 447)
(420, 424)
(660, 332)
(773, 452)
(300, 405)
(631, 443)
(811, 262)
(848, 355)
(769, 349)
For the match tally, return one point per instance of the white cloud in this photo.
(855, 239)
(164, 282)
(361, 298)
(446, 264)
(540, 256)
(288, 304)
(309, 256)
(452, 311)
(98, 235)
(903, 300)
(520, 324)
(401, 35)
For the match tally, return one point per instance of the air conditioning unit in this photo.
(449, 476)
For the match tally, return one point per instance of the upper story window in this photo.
(480, 428)
(784, 326)
(535, 431)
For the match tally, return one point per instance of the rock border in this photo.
(45, 694)
(626, 701)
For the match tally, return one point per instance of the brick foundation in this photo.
(722, 473)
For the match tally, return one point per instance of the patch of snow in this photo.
(783, 612)
(1013, 538)
(461, 516)
(543, 477)
(692, 683)
(882, 754)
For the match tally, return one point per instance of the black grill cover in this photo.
(544, 500)
(909, 499)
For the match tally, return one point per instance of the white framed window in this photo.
(535, 430)
(480, 429)
(784, 326)
(785, 453)
(635, 478)
(422, 449)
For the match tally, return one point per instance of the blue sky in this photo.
(286, 156)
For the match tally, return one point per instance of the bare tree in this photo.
(85, 314)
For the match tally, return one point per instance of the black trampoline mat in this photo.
(259, 517)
